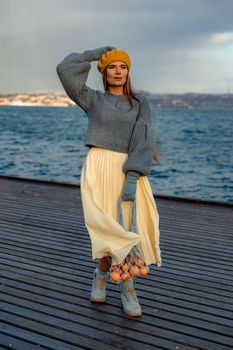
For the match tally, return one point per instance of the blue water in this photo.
(195, 148)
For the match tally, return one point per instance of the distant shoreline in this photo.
(36, 99)
(59, 99)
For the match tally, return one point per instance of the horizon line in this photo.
(55, 91)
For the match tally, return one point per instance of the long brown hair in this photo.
(130, 93)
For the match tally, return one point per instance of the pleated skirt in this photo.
(101, 183)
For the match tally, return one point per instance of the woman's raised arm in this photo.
(73, 73)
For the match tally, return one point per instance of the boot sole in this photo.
(97, 300)
(132, 314)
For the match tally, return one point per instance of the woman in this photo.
(116, 167)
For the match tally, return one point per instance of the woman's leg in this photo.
(105, 263)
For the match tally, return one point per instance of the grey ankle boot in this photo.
(129, 298)
(98, 291)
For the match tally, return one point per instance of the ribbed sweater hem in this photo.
(115, 148)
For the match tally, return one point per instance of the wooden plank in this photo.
(86, 311)
(54, 295)
(187, 304)
(185, 316)
(180, 272)
(35, 265)
(14, 343)
(77, 324)
(31, 336)
(207, 302)
(171, 261)
(72, 204)
(55, 298)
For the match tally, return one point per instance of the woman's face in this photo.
(116, 73)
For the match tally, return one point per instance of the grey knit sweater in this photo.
(110, 118)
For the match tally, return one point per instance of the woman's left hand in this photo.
(130, 186)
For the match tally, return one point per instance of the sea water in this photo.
(195, 148)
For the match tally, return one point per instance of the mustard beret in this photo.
(111, 56)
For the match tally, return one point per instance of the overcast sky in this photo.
(175, 45)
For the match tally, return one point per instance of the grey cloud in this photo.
(161, 35)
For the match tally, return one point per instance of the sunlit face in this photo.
(116, 73)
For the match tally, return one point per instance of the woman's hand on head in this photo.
(97, 53)
(109, 48)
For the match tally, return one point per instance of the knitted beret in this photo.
(111, 56)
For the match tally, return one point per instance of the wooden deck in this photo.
(46, 274)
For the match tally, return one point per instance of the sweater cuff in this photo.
(134, 173)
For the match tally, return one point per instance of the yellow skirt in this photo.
(101, 184)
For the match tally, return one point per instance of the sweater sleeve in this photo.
(142, 143)
(73, 73)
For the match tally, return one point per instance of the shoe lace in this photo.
(130, 294)
(100, 283)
